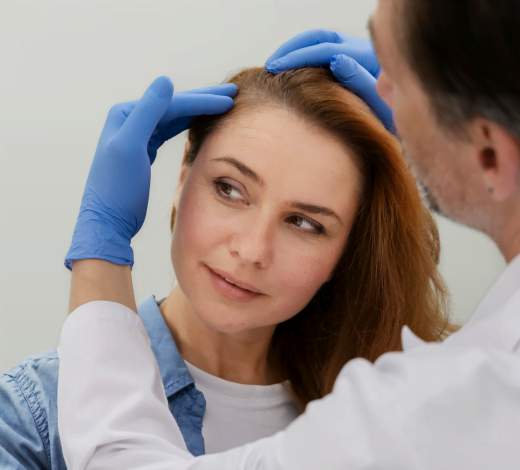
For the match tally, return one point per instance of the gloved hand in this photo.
(115, 199)
(352, 61)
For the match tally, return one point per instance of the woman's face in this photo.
(268, 204)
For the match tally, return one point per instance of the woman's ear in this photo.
(182, 175)
(187, 147)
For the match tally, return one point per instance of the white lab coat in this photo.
(448, 406)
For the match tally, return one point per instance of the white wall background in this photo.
(63, 64)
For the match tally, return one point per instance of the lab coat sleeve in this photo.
(112, 410)
(436, 406)
(111, 402)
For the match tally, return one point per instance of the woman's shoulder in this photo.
(38, 371)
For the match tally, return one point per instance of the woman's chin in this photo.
(222, 319)
(224, 325)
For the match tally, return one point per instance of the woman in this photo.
(301, 197)
(299, 243)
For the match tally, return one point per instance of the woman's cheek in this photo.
(303, 275)
(198, 211)
(190, 229)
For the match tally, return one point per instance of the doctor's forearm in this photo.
(96, 279)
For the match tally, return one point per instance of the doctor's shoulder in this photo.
(29, 436)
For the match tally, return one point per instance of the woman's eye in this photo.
(305, 225)
(227, 191)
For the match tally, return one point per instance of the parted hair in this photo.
(387, 275)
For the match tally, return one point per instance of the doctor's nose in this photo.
(253, 243)
(384, 88)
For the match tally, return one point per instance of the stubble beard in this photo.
(427, 196)
(429, 200)
(462, 213)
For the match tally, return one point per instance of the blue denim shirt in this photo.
(29, 437)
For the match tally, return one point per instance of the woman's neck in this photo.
(244, 357)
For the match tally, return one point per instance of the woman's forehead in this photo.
(287, 154)
(277, 138)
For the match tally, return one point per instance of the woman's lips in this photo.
(234, 280)
(229, 290)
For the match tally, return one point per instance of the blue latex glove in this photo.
(115, 199)
(352, 61)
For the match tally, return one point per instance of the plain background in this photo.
(63, 64)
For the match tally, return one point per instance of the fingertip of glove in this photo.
(339, 60)
(230, 88)
(162, 87)
(343, 67)
(274, 66)
(230, 103)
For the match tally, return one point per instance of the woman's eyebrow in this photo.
(303, 206)
(244, 169)
(312, 209)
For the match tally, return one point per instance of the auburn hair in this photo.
(387, 275)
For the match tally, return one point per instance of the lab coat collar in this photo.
(503, 289)
(499, 329)
(495, 323)
(174, 373)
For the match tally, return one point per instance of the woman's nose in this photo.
(253, 242)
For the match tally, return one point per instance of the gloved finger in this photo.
(175, 128)
(117, 116)
(186, 104)
(147, 112)
(308, 57)
(356, 78)
(119, 113)
(226, 89)
(305, 39)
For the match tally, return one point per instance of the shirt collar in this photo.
(174, 373)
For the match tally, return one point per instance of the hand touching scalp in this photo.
(352, 61)
(115, 200)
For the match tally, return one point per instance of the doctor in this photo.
(450, 71)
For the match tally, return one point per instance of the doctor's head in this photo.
(451, 74)
(301, 197)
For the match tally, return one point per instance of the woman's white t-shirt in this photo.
(237, 414)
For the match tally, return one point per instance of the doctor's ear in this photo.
(182, 175)
(498, 155)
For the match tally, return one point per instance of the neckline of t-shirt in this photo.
(214, 384)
